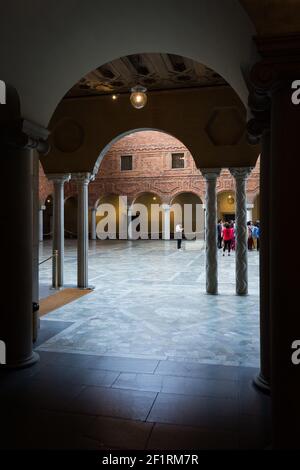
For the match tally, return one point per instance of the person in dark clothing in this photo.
(179, 233)
(219, 230)
(250, 238)
(255, 235)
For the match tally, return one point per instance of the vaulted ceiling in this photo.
(154, 71)
(168, 71)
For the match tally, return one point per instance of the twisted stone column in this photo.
(211, 176)
(241, 257)
(58, 227)
(82, 180)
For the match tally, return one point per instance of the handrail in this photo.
(54, 268)
(47, 259)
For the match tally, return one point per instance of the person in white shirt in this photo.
(179, 230)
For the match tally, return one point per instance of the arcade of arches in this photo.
(167, 343)
(151, 180)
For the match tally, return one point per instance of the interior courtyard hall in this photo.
(125, 323)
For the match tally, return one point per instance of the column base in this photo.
(86, 288)
(262, 384)
(30, 361)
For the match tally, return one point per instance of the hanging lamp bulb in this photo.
(138, 97)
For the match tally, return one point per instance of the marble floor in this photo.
(149, 302)
(147, 360)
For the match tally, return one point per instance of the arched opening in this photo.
(191, 208)
(71, 208)
(206, 25)
(147, 299)
(226, 206)
(129, 158)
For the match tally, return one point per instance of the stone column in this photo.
(16, 319)
(263, 380)
(82, 180)
(17, 259)
(35, 241)
(274, 81)
(284, 265)
(41, 223)
(166, 221)
(241, 250)
(249, 211)
(93, 223)
(211, 175)
(58, 235)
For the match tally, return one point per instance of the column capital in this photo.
(240, 173)
(25, 134)
(60, 178)
(210, 173)
(166, 207)
(82, 177)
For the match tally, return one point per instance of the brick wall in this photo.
(152, 172)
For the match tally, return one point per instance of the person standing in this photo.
(219, 230)
(227, 237)
(250, 236)
(232, 225)
(179, 232)
(255, 235)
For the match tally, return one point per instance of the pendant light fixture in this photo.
(138, 97)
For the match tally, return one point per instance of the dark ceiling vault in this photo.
(154, 71)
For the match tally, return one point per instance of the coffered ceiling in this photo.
(154, 71)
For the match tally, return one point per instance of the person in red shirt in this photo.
(228, 234)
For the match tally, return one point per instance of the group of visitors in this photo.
(253, 235)
(226, 235)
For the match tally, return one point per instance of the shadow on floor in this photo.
(78, 401)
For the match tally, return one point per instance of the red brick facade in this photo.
(152, 172)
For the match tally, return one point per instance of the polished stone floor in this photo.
(149, 302)
(80, 401)
(145, 361)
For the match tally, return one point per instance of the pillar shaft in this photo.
(211, 231)
(35, 239)
(16, 258)
(166, 222)
(284, 267)
(93, 224)
(58, 227)
(41, 223)
(241, 257)
(263, 380)
(82, 180)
